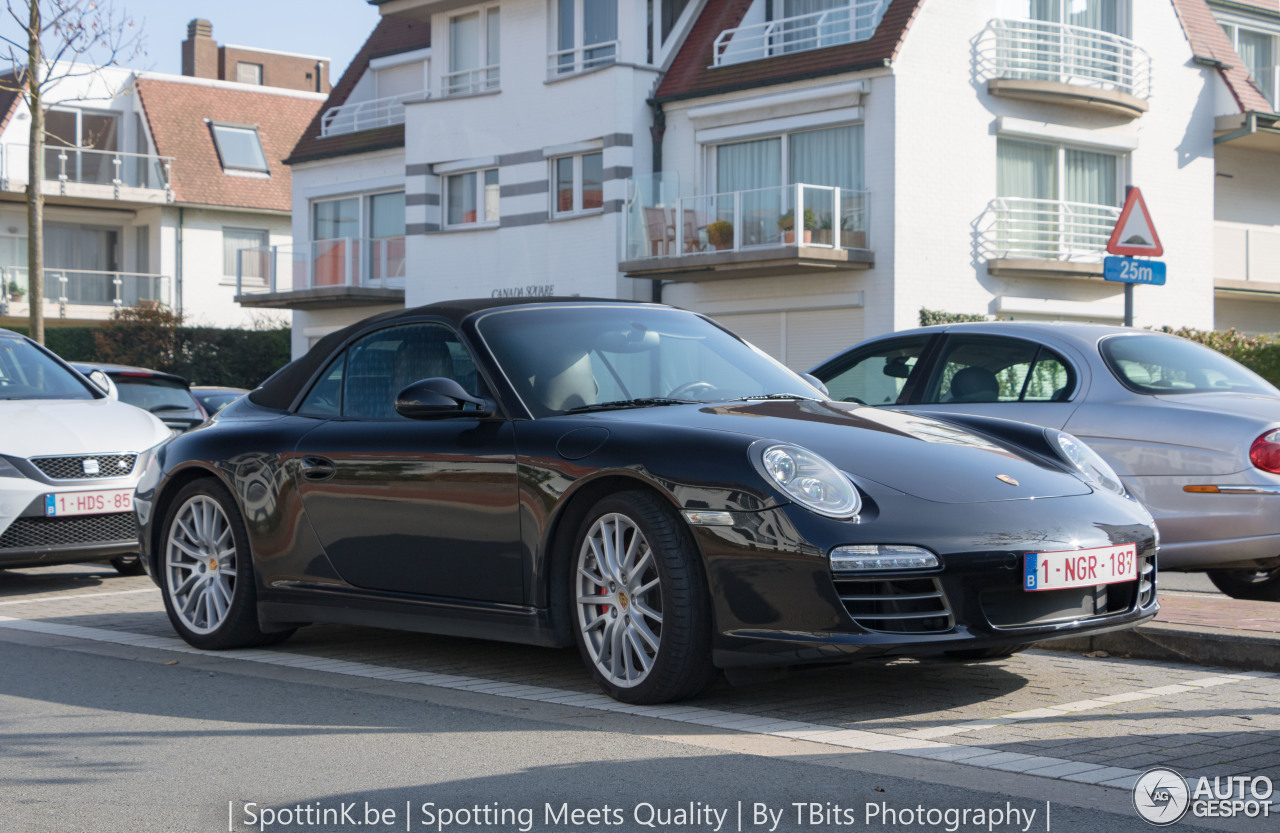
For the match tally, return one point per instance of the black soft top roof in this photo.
(279, 391)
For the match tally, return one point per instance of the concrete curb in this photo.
(1251, 650)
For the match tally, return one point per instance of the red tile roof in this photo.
(691, 75)
(1211, 44)
(177, 112)
(400, 32)
(8, 101)
(1272, 6)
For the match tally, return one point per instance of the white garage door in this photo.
(799, 339)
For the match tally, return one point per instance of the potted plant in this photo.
(16, 292)
(720, 234)
(822, 233)
(787, 225)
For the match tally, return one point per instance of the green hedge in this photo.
(1261, 354)
(156, 340)
(929, 317)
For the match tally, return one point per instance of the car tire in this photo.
(128, 565)
(206, 571)
(649, 639)
(1254, 585)
(980, 654)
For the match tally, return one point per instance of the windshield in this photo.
(155, 394)
(561, 358)
(26, 372)
(214, 402)
(1161, 364)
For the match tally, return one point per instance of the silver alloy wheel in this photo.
(619, 600)
(200, 564)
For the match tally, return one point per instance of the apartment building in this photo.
(155, 183)
(809, 172)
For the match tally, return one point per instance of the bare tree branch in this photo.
(65, 40)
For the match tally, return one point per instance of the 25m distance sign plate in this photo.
(1132, 270)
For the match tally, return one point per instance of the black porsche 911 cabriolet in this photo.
(636, 479)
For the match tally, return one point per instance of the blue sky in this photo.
(333, 29)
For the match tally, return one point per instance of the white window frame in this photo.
(713, 149)
(264, 171)
(229, 277)
(480, 221)
(1060, 162)
(576, 210)
(577, 51)
(365, 215)
(256, 69)
(488, 75)
(1124, 15)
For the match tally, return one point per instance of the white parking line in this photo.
(852, 739)
(48, 599)
(1050, 712)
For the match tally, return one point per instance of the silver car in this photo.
(1193, 434)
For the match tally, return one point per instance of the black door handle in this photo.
(317, 468)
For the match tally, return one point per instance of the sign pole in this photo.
(1134, 235)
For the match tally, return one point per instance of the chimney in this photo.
(199, 51)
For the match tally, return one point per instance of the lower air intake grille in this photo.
(915, 605)
(35, 533)
(1146, 581)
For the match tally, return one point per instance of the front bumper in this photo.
(30, 539)
(778, 603)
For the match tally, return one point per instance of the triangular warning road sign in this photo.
(1134, 233)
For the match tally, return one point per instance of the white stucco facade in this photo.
(938, 124)
(115, 233)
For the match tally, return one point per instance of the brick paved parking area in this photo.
(1089, 719)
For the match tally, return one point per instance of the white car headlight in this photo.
(1089, 463)
(7, 469)
(807, 478)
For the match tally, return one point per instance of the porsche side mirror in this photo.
(817, 383)
(439, 398)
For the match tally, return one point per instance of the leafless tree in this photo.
(59, 40)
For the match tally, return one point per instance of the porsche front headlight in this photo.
(807, 478)
(1089, 463)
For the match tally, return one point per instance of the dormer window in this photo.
(239, 148)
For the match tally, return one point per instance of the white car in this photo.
(70, 459)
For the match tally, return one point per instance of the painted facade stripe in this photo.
(520, 189)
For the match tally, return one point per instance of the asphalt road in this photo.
(108, 724)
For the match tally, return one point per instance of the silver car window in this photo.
(1164, 364)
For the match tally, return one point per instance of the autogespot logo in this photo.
(1161, 796)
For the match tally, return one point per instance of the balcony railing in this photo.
(833, 27)
(471, 81)
(1034, 50)
(581, 59)
(834, 218)
(375, 263)
(91, 167)
(84, 287)
(1048, 230)
(354, 116)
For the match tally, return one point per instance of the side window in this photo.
(878, 375)
(325, 399)
(363, 382)
(992, 369)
